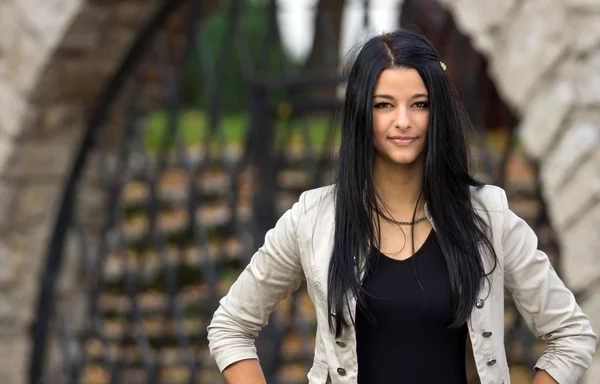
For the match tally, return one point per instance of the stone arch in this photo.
(55, 59)
(544, 56)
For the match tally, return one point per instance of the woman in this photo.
(406, 256)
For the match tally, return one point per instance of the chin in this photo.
(402, 160)
(405, 162)
(408, 157)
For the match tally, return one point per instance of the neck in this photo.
(399, 187)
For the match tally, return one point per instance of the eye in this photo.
(421, 104)
(383, 105)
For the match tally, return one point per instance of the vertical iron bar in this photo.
(261, 133)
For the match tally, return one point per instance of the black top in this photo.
(410, 341)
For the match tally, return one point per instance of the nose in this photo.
(402, 121)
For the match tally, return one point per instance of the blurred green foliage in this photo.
(194, 128)
(223, 55)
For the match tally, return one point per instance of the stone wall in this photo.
(545, 57)
(55, 58)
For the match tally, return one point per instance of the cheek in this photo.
(423, 122)
(379, 126)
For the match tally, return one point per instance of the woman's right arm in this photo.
(274, 272)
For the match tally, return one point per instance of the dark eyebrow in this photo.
(383, 97)
(415, 96)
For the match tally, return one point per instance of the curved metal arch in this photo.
(47, 292)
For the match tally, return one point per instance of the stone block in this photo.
(476, 16)
(27, 247)
(14, 357)
(50, 18)
(13, 110)
(10, 265)
(17, 306)
(531, 42)
(10, 25)
(85, 32)
(61, 117)
(579, 194)
(579, 251)
(80, 38)
(77, 79)
(36, 202)
(30, 245)
(588, 80)
(586, 5)
(47, 158)
(6, 153)
(575, 144)
(25, 297)
(25, 58)
(8, 194)
(132, 13)
(539, 128)
(480, 20)
(585, 29)
(47, 90)
(484, 43)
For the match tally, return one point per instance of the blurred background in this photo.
(147, 146)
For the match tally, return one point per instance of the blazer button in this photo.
(487, 334)
(479, 303)
(340, 343)
(341, 371)
(491, 362)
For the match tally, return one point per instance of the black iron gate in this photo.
(207, 133)
(197, 146)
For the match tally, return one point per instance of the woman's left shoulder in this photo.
(489, 198)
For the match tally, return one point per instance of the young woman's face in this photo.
(400, 116)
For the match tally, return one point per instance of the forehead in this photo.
(399, 81)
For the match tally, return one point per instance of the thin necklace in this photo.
(390, 220)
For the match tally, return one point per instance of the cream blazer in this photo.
(299, 248)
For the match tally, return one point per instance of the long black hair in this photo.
(446, 180)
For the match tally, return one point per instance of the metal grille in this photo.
(178, 178)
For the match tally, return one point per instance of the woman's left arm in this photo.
(546, 304)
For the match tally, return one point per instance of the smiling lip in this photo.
(402, 140)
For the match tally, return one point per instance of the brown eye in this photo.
(383, 105)
(421, 104)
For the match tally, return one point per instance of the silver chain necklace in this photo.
(390, 220)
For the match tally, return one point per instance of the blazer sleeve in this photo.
(546, 304)
(273, 273)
